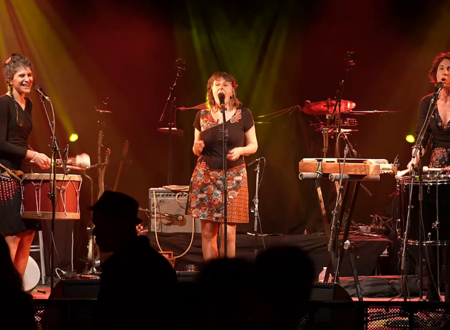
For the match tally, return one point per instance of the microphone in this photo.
(222, 98)
(435, 96)
(41, 91)
(255, 161)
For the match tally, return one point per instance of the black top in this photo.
(437, 130)
(14, 138)
(211, 134)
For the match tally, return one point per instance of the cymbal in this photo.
(175, 131)
(327, 107)
(332, 130)
(368, 112)
(201, 106)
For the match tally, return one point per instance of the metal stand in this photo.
(350, 193)
(52, 195)
(224, 137)
(256, 207)
(181, 66)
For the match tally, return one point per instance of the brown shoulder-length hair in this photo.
(228, 77)
(437, 60)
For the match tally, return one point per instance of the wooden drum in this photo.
(36, 189)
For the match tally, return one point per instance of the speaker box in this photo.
(170, 208)
(329, 292)
(76, 288)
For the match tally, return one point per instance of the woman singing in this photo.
(439, 132)
(15, 127)
(206, 187)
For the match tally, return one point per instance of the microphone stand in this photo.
(417, 148)
(256, 207)
(181, 66)
(52, 195)
(224, 137)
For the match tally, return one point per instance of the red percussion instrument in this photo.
(36, 203)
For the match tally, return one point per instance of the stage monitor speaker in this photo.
(76, 288)
(329, 292)
(170, 208)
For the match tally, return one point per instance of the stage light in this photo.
(73, 137)
(410, 138)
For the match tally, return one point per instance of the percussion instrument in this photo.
(353, 166)
(436, 189)
(36, 204)
(327, 107)
(31, 276)
(81, 161)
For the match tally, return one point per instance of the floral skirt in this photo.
(206, 189)
(439, 158)
(11, 221)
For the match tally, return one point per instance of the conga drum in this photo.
(36, 192)
(435, 205)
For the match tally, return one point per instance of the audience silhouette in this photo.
(226, 294)
(137, 283)
(283, 282)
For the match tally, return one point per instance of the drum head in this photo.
(31, 276)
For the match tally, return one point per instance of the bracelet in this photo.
(32, 159)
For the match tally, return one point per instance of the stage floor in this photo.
(369, 249)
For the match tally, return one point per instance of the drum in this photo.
(36, 189)
(436, 187)
(31, 276)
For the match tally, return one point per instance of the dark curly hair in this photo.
(437, 60)
(14, 63)
(228, 77)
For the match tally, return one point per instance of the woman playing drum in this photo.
(15, 127)
(439, 132)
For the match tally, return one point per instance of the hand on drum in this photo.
(42, 161)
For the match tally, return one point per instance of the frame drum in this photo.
(36, 189)
(436, 196)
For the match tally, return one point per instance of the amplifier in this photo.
(170, 208)
(76, 288)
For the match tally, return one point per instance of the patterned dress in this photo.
(206, 186)
(438, 131)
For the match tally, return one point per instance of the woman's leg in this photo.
(231, 240)
(13, 243)
(209, 240)
(23, 251)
